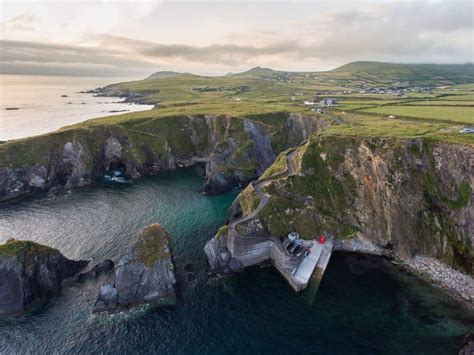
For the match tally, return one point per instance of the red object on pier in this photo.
(322, 239)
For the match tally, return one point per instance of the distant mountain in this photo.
(258, 71)
(411, 73)
(163, 75)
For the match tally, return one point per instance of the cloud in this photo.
(23, 57)
(21, 23)
(228, 54)
(297, 36)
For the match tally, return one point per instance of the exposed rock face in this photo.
(29, 272)
(16, 183)
(74, 167)
(101, 267)
(299, 128)
(358, 244)
(468, 345)
(382, 196)
(261, 145)
(144, 275)
(235, 150)
(219, 257)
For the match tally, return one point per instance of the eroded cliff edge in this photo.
(401, 197)
(235, 150)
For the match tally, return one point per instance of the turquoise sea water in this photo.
(364, 305)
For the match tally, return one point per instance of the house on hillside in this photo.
(328, 102)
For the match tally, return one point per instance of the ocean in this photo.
(41, 107)
(364, 305)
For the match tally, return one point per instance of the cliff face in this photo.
(235, 150)
(400, 197)
(29, 272)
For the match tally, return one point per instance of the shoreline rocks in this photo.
(468, 344)
(144, 275)
(29, 272)
(458, 285)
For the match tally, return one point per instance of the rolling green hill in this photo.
(412, 74)
(162, 75)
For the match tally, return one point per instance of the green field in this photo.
(441, 103)
(263, 95)
(439, 113)
(461, 115)
(460, 97)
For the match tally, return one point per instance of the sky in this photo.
(137, 38)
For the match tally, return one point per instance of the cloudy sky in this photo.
(135, 38)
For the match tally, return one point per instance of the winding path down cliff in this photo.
(250, 250)
(264, 198)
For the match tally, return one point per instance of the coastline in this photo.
(37, 105)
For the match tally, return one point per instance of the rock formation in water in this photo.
(468, 345)
(144, 275)
(98, 269)
(399, 197)
(235, 150)
(29, 272)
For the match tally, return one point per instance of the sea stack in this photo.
(29, 272)
(145, 275)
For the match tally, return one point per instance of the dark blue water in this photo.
(364, 305)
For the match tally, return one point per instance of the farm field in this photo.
(441, 103)
(445, 113)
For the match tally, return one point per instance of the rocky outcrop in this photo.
(29, 272)
(468, 345)
(98, 269)
(74, 166)
(261, 148)
(219, 257)
(396, 197)
(235, 151)
(359, 244)
(19, 182)
(144, 275)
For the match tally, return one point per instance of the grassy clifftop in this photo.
(178, 126)
(13, 247)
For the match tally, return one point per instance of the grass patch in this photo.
(13, 247)
(152, 244)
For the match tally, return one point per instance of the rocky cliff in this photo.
(29, 272)
(400, 197)
(235, 150)
(144, 275)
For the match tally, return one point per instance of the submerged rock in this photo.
(144, 275)
(189, 267)
(29, 272)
